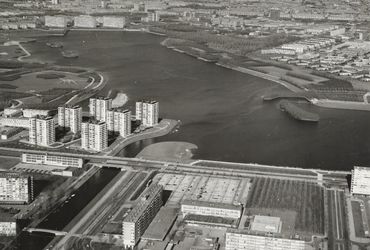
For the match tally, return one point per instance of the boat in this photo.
(70, 54)
(55, 44)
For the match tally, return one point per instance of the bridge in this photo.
(42, 230)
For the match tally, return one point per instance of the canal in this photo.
(61, 216)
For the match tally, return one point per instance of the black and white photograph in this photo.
(184, 124)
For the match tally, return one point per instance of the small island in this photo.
(297, 112)
(69, 54)
(54, 44)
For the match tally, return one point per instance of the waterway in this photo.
(221, 110)
(59, 218)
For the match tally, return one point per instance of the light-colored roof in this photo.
(266, 224)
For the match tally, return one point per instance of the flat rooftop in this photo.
(161, 224)
(203, 188)
(266, 224)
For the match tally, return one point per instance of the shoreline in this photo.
(321, 103)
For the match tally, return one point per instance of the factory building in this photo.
(94, 135)
(52, 160)
(147, 112)
(15, 188)
(360, 181)
(99, 107)
(42, 131)
(140, 217)
(70, 117)
(119, 121)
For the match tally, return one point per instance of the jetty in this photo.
(297, 112)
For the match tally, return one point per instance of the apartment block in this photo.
(94, 135)
(140, 217)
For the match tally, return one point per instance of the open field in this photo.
(306, 199)
(168, 150)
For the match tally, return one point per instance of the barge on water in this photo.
(297, 112)
(55, 45)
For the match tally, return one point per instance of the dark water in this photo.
(58, 219)
(221, 110)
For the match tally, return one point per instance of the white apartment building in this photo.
(85, 21)
(360, 181)
(42, 131)
(15, 188)
(70, 117)
(35, 112)
(119, 121)
(140, 217)
(56, 21)
(52, 160)
(244, 240)
(19, 122)
(99, 107)
(147, 112)
(94, 135)
(8, 227)
(211, 209)
(114, 22)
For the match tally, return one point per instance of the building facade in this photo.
(119, 121)
(42, 131)
(243, 240)
(8, 227)
(70, 117)
(140, 217)
(360, 181)
(15, 188)
(53, 160)
(147, 112)
(99, 107)
(94, 135)
(211, 209)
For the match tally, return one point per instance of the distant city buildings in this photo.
(99, 107)
(15, 188)
(360, 181)
(114, 22)
(85, 21)
(56, 21)
(42, 131)
(119, 121)
(147, 112)
(70, 117)
(94, 135)
(140, 217)
(52, 160)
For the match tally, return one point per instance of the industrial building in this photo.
(360, 181)
(147, 112)
(98, 108)
(94, 135)
(42, 131)
(140, 217)
(52, 160)
(119, 121)
(263, 234)
(70, 117)
(15, 188)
